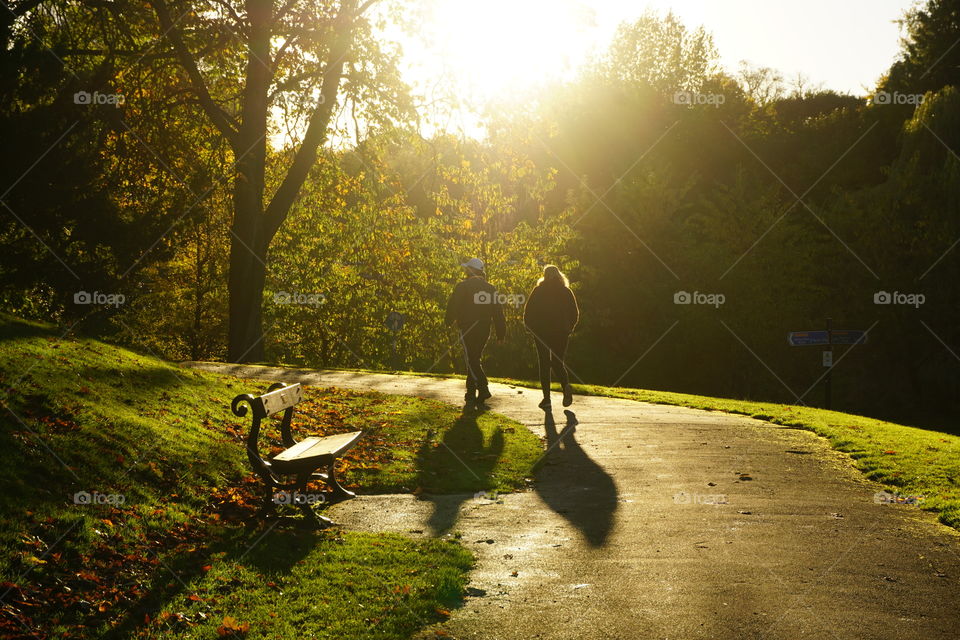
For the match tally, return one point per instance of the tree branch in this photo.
(316, 133)
(287, 6)
(280, 53)
(366, 5)
(220, 118)
(241, 26)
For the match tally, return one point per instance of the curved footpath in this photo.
(622, 537)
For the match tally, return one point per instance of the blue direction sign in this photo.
(840, 336)
(807, 338)
(849, 337)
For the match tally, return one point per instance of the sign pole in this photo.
(827, 338)
(395, 321)
(828, 391)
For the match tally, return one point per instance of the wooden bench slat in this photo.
(319, 446)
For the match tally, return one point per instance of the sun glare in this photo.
(496, 46)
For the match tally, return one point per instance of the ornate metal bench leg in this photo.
(337, 492)
(306, 506)
(268, 507)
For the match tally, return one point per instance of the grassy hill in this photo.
(126, 487)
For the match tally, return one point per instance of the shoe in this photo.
(545, 403)
(567, 396)
(484, 395)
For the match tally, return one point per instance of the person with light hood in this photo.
(475, 308)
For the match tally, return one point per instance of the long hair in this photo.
(552, 274)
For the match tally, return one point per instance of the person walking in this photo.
(550, 315)
(474, 306)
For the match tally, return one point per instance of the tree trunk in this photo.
(245, 285)
(248, 272)
(249, 241)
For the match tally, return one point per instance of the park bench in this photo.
(292, 469)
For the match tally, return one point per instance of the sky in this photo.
(494, 46)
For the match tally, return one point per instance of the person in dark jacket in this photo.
(475, 307)
(551, 315)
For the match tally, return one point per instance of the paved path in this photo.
(615, 540)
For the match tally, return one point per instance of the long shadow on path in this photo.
(463, 452)
(575, 486)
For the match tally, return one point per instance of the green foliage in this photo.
(662, 53)
(364, 240)
(929, 59)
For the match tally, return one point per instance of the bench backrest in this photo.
(279, 397)
(285, 397)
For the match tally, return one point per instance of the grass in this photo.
(161, 550)
(419, 445)
(351, 586)
(911, 462)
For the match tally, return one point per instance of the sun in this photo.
(495, 46)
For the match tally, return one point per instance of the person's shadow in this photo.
(575, 486)
(449, 470)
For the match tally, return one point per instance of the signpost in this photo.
(395, 321)
(807, 338)
(827, 337)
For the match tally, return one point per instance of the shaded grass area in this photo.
(125, 482)
(910, 461)
(298, 584)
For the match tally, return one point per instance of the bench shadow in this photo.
(461, 452)
(575, 486)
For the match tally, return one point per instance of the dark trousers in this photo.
(474, 340)
(551, 349)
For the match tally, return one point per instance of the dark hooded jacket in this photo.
(475, 302)
(551, 310)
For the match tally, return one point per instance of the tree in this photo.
(292, 58)
(929, 57)
(661, 53)
(762, 84)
